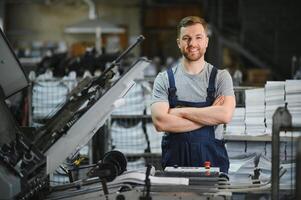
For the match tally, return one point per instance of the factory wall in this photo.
(28, 22)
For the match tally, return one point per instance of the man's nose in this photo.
(192, 42)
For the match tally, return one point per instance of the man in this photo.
(191, 101)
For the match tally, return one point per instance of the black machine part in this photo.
(12, 76)
(113, 164)
(8, 125)
(25, 159)
(118, 159)
(282, 121)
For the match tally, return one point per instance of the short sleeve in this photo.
(160, 88)
(224, 84)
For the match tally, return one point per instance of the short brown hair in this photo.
(191, 20)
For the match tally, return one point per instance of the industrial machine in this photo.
(26, 160)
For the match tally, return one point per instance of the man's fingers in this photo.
(219, 101)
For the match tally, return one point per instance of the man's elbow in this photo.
(227, 112)
(159, 127)
(227, 117)
(158, 124)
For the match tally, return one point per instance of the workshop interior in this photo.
(76, 81)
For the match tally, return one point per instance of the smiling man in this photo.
(191, 101)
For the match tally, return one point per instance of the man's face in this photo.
(193, 42)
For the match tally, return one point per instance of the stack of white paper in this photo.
(256, 147)
(255, 112)
(283, 151)
(241, 167)
(274, 98)
(139, 178)
(242, 163)
(237, 125)
(293, 100)
(288, 178)
(235, 148)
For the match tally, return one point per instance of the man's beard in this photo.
(192, 57)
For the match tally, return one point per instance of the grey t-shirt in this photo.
(193, 88)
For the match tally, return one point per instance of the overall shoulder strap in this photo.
(172, 97)
(211, 85)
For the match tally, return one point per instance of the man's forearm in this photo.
(175, 124)
(212, 115)
(220, 112)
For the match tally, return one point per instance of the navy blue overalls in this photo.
(193, 148)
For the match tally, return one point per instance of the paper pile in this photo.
(237, 125)
(255, 112)
(274, 98)
(293, 100)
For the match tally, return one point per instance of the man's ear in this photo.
(207, 41)
(178, 42)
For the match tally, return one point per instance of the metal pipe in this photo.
(281, 119)
(92, 10)
(298, 170)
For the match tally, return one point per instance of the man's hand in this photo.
(219, 101)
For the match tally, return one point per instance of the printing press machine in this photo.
(27, 160)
